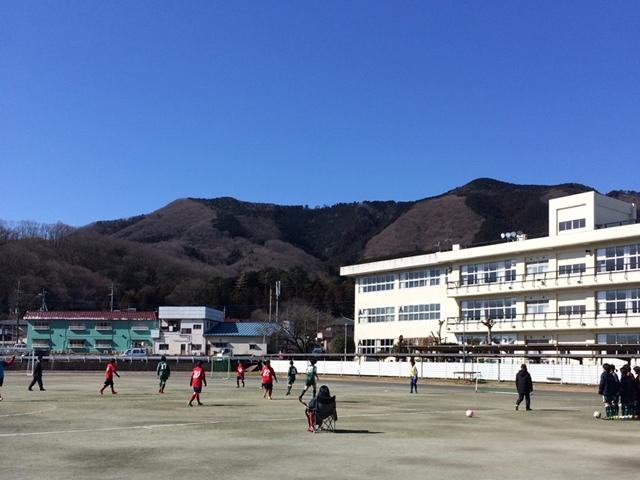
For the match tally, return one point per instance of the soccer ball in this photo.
(469, 413)
(597, 414)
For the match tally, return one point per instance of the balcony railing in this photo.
(588, 319)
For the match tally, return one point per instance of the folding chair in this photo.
(323, 416)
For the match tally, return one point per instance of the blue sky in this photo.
(114, 109)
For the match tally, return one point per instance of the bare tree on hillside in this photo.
(299, 324)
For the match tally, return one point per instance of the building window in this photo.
(185, 331)
(378, 283)
(575, 269)
(41, 325)
(491, 272)
(619, 338)
(614, 259)
(421, 278)
(537, 267)
(39, 343)
(197, 327)
(572, 310)
(76, 343)
(196, 346)
(497, 308)
(140, 326)
(373, 346)
(614, 302)
(377, 315)
(103, 326)
(419, 312)
(103, 343)
(572, 224)
(163, 347)
(537, 306)
(76, 326)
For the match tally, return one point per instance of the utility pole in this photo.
(43, 306)
(17, 313)
(111, 295)
(278, 285)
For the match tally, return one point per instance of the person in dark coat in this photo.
(627, 391)
(37, 374)
(608, 388)
(524, 385)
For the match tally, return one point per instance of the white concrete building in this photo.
(182, 330)
(580, 284)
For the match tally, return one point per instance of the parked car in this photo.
(138, 352)
(317, 352)
(20, 348)
(224, 352)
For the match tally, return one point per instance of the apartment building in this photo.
(580, 284)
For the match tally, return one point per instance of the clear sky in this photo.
(110, 109)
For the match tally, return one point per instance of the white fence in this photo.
(540, 373)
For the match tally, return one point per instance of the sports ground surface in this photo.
(70, 431)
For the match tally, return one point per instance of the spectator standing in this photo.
(413, 377)
(524, 385)
(37, 374)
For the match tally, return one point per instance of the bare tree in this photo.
(489, 323)
(438, 337)
(299, 324)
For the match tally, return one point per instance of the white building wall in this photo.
(559, 285)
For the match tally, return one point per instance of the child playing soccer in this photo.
(163, 371)
(240, 374)
(108, 376)
(268, 376)
(310, 378)
(196, 381)
(291, 376)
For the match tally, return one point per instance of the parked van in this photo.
(20, 348)
(138, 352)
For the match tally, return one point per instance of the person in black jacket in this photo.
(608, 388)
(37, 374)
(524, 385)
(627, 391)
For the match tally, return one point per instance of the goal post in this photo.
(221, 367)
(490, 373)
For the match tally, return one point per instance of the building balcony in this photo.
(544, 322)
(541, 282)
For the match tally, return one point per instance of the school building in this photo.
(578, 285)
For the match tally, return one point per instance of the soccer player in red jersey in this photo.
(240, 374)
(108, 376)
(268, 376)
(197, 380)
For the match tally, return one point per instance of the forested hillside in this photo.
(228, 254)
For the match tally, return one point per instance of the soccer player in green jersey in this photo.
(310, 378)
(163, 371)
(291, 376)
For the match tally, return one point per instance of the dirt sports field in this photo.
(70, 431)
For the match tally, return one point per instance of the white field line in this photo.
(220, 422)
(35, 412)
